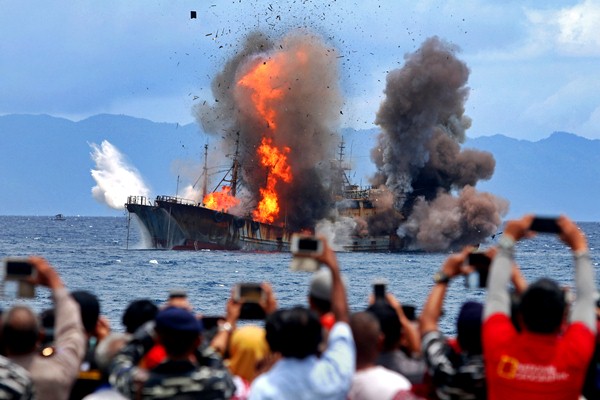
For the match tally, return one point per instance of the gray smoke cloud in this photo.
(419, 159)
(304, 71)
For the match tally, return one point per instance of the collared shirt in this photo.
(15, 382)
(327, 377)
(455, 376)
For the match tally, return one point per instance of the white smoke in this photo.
(115, 179)
(338, 233)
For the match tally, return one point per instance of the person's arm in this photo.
(339, 303)
(410, 331)
(584, 309)
(498, 299)
(220, 341)
(432, 309)
(69, 333)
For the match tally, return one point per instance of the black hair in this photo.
(177, 343)
(389, 322)
(89, 307)
(321, 305)
(137, 313)
(543, 306)
(19, 338)
(294, 332)
(468, 327)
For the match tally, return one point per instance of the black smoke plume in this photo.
(419, 159)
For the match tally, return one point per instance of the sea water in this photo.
(101, 255)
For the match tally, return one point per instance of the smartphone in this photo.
(16, 272)
(478, 278)
(545, 225)
(410, 311)
(306, 245)
(249, 293)
(17, 269)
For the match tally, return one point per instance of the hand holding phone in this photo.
(251, 295)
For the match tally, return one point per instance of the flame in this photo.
(260, 80)
(264, 82)
(221, 201)
(276, 161)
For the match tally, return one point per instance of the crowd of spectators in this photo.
(528, 342)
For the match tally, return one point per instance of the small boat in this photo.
(59, 217)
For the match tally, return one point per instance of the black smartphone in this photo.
(410, 312)
(478, 278)
(379, 291)
(544, 225)
(252, 311)
(18, 269)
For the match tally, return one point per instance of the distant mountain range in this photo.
(45, 164)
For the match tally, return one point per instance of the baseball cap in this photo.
(178, 319)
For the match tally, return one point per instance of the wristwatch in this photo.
(225, 327)
(441, 277)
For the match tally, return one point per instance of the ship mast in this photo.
(236, 165)
(346, 181)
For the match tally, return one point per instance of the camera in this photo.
(545, 225)
(481, 263)
(19, 270)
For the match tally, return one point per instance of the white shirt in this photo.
(377, 383)
(327, 377)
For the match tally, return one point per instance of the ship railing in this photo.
(176, 200)
(140, 200)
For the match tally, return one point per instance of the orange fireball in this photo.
(221, 201)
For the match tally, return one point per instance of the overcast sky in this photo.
(534, 64)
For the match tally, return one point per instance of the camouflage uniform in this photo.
(15, 382)
(207, 379)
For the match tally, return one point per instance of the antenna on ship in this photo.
(205, 172)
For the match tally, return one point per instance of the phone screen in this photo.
(250, 293)
(308, 244)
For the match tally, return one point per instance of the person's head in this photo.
(247, 346)
(20, 331)
(389, 323)
(137, 313)
(108, 348)
(468, 327)
(368, 337)
(295, 332)
(319, 294)
(178, 330)
(542, 307)
(90, 310)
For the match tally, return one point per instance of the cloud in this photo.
(569, 31)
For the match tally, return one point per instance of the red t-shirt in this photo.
(532, 366)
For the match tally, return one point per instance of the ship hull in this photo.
(174, 224)
(171, 223)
